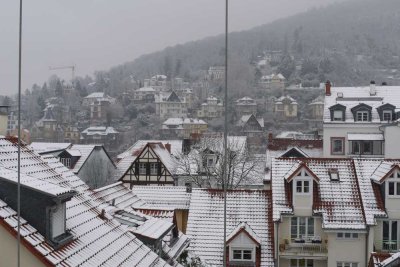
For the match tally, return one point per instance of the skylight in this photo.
(334, 174)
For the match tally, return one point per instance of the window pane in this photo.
(337, 115)
(310, 226)
(306, 186)
(310, 263)
(293, 263)
(347, 235)
(394, 231)
(398, 188)
(367, 147)
(391, 188)
(339, 235)
(299, 187)
(302, 227)
(247, 254)
(293, 229)
(337, 145)
(385, 230)
(355, 235)
(237, 254)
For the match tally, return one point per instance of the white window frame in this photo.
(346, 264)
(338, 115)
(347, 235)
(242, 249)
(342, 140)
(302, 178)
(153, 168)
(390, 233)
(385, 112)
(298, 263)
(394, 178)
(142, 166)
(66, 162)
(362, 115)
(306, 235)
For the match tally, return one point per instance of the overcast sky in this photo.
(99, 34)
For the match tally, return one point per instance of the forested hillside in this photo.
(349, 43)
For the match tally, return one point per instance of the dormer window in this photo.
(303, 182)
(386, 112)
(58, 218)
(362, 112)
(338, 115)
(362, 116)
(338, 112)
(387, 115)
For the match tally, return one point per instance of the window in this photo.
(394, 184)
(338, 115)
(302, 227)
(334, 174)
(390, 235)
(387, 115)
(346, 264)
(153, 168)
(58, 221)
(242, 254)
(347, 235)
(210, 162)
(362, 116)
(337, 146)
(66, 162)
(303, 186)
(301, 263)
(142, 168)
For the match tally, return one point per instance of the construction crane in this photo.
(66, 67)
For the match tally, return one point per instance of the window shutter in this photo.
(159, 168)
(137, 168)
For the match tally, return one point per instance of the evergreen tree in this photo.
(59, 89)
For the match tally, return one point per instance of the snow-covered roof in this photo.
(45, 187)
(243, 226)
(164, 197)
(339, 202)
(246, 101)
(206, 222)
(351, 97)
(96, 242)
(84, 152)
(96, 95)
(146, 89)
(287, 97)
(245, 118)
(182, 121)
(99, 130)
(42, 147)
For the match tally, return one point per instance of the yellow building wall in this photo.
(8, 252)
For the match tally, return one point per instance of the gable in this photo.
(302, 166)
(294, 153)
(173, 97)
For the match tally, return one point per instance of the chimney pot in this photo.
(328, 88)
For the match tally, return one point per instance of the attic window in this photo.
(334, 174)
(387, 115)
(338, 115)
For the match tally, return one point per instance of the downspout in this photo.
(277, 245)
(366, 246)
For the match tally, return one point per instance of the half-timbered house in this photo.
(148, 163)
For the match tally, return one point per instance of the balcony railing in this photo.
(387, 245)
(317, 249)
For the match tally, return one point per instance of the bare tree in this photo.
(204, 164)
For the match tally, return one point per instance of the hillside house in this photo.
(245, 106)
(212, 108)
(171, 105)
(286, 108)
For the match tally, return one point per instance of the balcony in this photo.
(387, 245)
(312, 248)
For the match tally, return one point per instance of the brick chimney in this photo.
(328, 88)
(168, 147)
